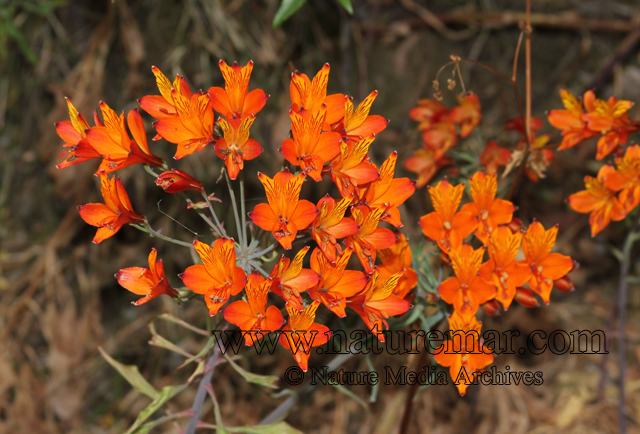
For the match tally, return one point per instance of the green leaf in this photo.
(132, 375)
(353, 396)
(159, 341)
(14, 32)
(164, 395)
(173, 319)
(273, 428)
(154, 423)
(347, 5)
(286, 9)
(262, 380)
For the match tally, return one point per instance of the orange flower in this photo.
(176, 181)
(236, 146)
(626, 178)
(254, 315)
(310, 148)
(571, 120)
(352, 167)
(310, 95)
(336, 282)
(493, 157)
(502, 270)
(234, 101)
(150, 282)
(369, 237)
(113, 144)
(163, 105)
(357, 125)
(331, 225)
(192, 126)
(398, 258)
(285, 214)
(302, 333)
(440, 138)
(600, 201)
(463, 354)
(485, 208)
(428, 112)
(389, 193)
(545, 266)
(444, 225)
(377, 303)
(290, 279)
(219, 278)
(466, 291)
(468, 114)
(610, 119)
(111, 215)
(425, 164)
(76, 145)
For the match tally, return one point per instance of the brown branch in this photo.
(201, 394)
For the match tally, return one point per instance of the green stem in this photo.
(148, 229)
(264, 252)
(255, 265)
(235, 208)
(220, 230)
(243, 211)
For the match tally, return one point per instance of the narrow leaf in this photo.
(347, 5)
(273, 428)
(353, 396)
(173, 319)
(132, 375)
(165, 395)
(286, 9)
(263, 380)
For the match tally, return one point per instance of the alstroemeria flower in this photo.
(309, 96)
(302, 333)
(464, 353)
(234, 101)
(331, 225)
(493, 157)
(369, 237)
(398, 258)
(336, 283)
(175, 181)
(468, 114)
(111, 215)
(149, 282)
(352, 167)
(310, 148)
(441, 137)
(115, 146)
(444, 225)
(253, 315)
(192, 126)
(358, 124)
(163, 105)
(571, 120)
(389, 193)
(502, 270)
(485, 208)
(425, 164)
(290, 279)
(625, 178)
(219, 278)
(610, 119)
(428, 112)
(74, 134)
(545, 266)
(376, 303)
(236, 146)
(285, 214)
(466, 291)
(598, 200)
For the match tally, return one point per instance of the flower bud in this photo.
(197, 205)
(445, 259)
(515, 225)
(491, 307)
(175, 181)
(432, 297)
(564, 284)
(526, 297)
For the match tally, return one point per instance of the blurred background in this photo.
(59, 300)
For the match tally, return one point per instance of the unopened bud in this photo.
(491, 307)
(175, 181)
(516, 225)
(432, 297)
(197, 205)
(564, 284)
(526, 297)
(445, 259)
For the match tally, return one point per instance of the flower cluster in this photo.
(501, 278)
(615, 191)
(330, 139)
